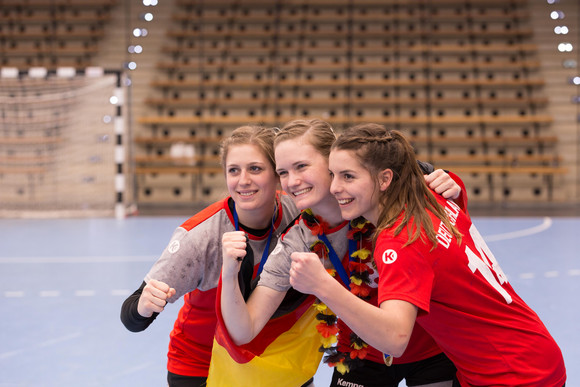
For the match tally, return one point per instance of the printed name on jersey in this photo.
(452, 210)
(444, 235)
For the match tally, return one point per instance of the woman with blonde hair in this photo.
(190, 265)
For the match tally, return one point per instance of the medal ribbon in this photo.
(267, 249)
(336, 262)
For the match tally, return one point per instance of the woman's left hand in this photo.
(233, 251)
(440, 182)
(307, 273)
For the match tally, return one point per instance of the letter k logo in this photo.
(389, 256)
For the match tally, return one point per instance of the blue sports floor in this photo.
(62, 283)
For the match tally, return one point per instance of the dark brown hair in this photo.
(378, 149)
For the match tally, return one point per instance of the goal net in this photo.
(58, 145)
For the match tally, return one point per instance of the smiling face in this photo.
(304, 176)
(252, 183)
(355, 189)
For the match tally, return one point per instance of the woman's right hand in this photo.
(154, 298)
(233, 252)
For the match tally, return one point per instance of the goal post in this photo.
(62, 146)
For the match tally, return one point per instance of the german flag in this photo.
(285, 352)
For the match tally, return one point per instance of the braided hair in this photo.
(378, 149)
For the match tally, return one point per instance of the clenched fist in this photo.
(154, 298)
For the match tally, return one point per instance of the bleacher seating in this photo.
(461, 78)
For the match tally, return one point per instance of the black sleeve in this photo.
(246, 272)
(425, 167)
(132, 320)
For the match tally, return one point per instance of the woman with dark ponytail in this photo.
(434, 270)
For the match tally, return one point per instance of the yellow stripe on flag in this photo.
(289, 361)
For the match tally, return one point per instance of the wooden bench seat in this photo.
(347, 102)
(193, 102)
(344, 34)
(69, 4)
(30, 140)
(408, 3)
(76, 63)
(337, 3)
(341, 83)
(453, 49)
(494, 15)
(484, 140)
(46, 18)
(23, 159)
(491, 15)
(488, 120)
(443, 49)
(22, 170)
(173, 140)
(354, 66)
(449, 121)
(504, 160)
(504, 170)
(338, 120)
(168, 160)
(214, 67)
(404, 66)
(441, 33)
(48, 51)
(177, 170)
(178, 50)
(147, 164)
(34, 124)
(456, 49)
(423, 101)
(50, 36)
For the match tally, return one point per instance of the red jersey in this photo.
(468, 306)
(299, 238)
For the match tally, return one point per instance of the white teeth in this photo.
(302, 191)
(247, 193)
(344, 201)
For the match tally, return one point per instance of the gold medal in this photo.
(388, 359)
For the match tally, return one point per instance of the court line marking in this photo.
(85, 293)
(43, 344)
(546, 224)
(87, 259)
(58, 340)
(58, 293)
(120, 292)
(129, 371)
(13, 294)
(49, 293)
